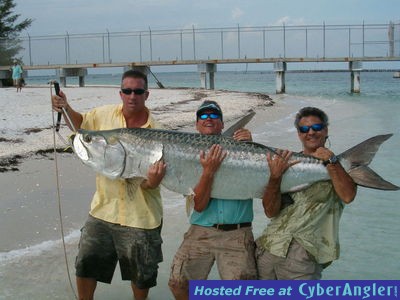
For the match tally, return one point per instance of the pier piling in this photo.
(280, 69)
(355, 71)
(207, 75)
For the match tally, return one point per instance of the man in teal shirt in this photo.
(220, 229)
(17, 75)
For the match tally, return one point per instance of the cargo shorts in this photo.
(233, 252)
(298, 264)
(103, 244)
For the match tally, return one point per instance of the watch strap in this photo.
(332, 160)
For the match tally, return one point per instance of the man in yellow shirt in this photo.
(125, 218)
(303, 235)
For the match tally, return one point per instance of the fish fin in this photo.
(366, 177)
(157, 152)
(239, 124)
(189, 202)
(360, 156)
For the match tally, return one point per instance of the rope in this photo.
(59, 203)
(160, 85)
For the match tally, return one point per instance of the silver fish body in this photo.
(128, 153)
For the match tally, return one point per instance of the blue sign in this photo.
(294, 289)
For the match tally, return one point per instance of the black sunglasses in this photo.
(211, 116)
(129, 91)
(315, 127)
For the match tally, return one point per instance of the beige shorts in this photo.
(298, 264)
(233, 252)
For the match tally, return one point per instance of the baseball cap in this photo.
(209, 105)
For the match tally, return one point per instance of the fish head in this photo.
(105, 154)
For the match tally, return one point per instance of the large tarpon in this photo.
(128, 153)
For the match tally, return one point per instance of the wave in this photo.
(36, 250)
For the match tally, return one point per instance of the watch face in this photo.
(333, 159)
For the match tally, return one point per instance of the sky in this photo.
(61, 17)
(92, 16)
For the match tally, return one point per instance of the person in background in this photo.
(17, 75)
(220, 230)
(125, 219)
(303, 236)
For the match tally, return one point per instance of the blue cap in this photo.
(209, 105)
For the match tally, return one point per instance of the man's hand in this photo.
(322, 153)
(279, 163)
(59, 102)
(242, 135)
(212, 161)
(155, 175)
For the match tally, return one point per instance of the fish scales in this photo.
(127, 153)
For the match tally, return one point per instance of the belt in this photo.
(228, 227)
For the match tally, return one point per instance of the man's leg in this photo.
(86, 288)
(96, 259)
(236, 255)
(193, 260)
(298, 265)
(139, 294)
(179, 293)
(139, 253)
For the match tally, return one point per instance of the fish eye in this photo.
(87, 138)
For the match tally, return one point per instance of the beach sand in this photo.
(26, 118)
(31, 251)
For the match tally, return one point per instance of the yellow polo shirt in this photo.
(122, 201)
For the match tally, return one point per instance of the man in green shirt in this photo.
(302, 237)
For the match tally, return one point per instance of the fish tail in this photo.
(360, 156)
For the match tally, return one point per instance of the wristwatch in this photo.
(332, 160)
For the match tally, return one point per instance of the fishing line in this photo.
(59, 199)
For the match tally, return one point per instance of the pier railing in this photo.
(238, 42)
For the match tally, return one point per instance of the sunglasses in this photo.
(212, 116)
(129, 91)
(315, 127)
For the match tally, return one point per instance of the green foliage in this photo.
(9, 31)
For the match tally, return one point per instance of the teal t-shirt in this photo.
(222, 211)
(16, 72)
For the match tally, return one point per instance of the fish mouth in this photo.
(79, 147)
(71, 139)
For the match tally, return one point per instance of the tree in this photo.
(10, 43)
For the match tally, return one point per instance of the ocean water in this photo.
(370, 226)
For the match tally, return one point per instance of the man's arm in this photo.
(344, 185)
(211, 163)
(59, 102)
(342, 182)
(278, 164)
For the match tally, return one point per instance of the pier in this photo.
(206, 48)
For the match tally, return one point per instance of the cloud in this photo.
(237, 13)
(288, 21)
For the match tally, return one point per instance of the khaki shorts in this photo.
(233, 251)
(18, 82)
(102, 244)
(298, 264)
